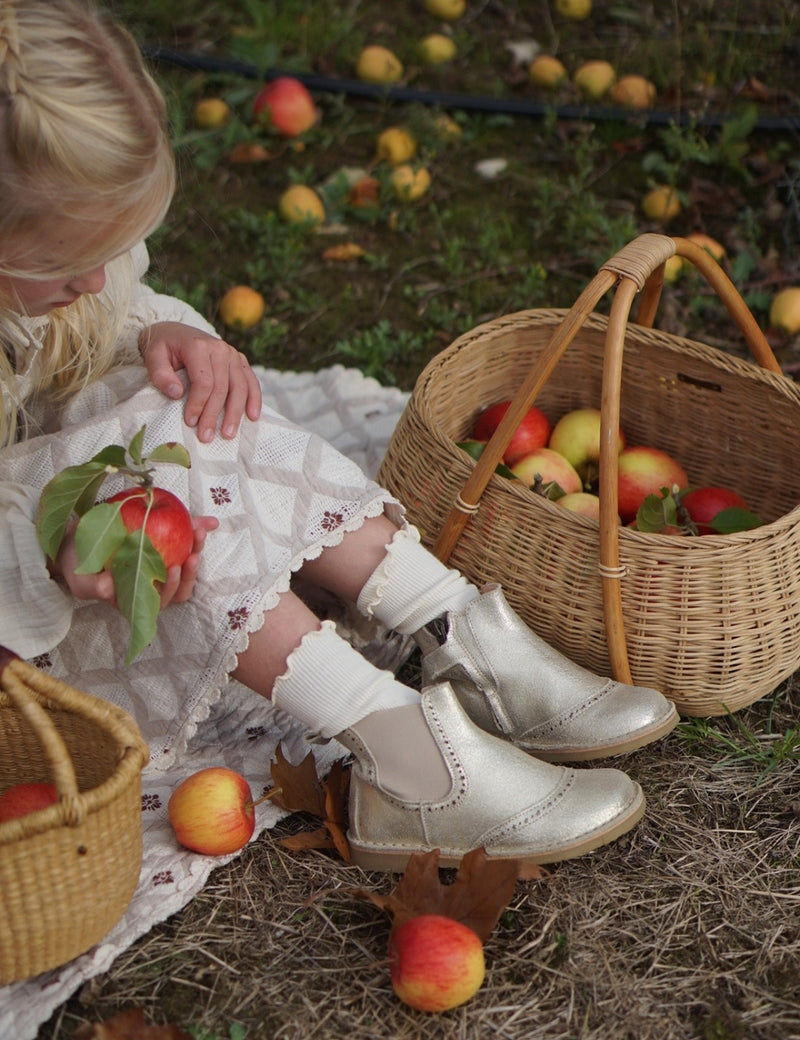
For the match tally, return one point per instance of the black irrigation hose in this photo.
(466, 102)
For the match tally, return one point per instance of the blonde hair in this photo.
(84, 147)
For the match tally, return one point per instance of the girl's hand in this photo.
(221, 381)
(176, 589)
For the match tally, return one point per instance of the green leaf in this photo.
(68, 491)
(475, 448)
(113, 455)
(733, 519)
(172, 452)
(98, 536)
(657, 512)
(135, 447)
(136, 567)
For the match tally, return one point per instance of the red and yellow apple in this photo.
(437, 963)
(286, 106)
(533, 432)
(582, 502)
(643, 471)
(166, 521)
(212, 811)
(576, 436)
(547, 467)
(23, 798)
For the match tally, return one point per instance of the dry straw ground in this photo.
(687, 928)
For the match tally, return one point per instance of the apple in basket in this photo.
(576, 436)
(436, 962)
(212, 811)
(543, 469)
(24, 798)
(533, 432)
(717, 510)
(644, 471)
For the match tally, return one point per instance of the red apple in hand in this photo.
(168, 523)
(644, 471)
(548, 466)
(285, 105)
(25, 798)
(212, 811)
(705, 504)
(533, 432)
(576, 436)
(437, 963)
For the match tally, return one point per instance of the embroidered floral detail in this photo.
(42, 661)
(254, 732)
(221, 496)
(163, 877)
(150, 802)
(330, 521)
(238, 617)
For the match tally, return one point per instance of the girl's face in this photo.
(35, 297)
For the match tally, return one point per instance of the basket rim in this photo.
(49, 693)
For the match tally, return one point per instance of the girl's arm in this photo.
(171, 336)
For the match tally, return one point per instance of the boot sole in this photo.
(622, 747)
(395, 860)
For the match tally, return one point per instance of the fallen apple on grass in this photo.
(643, 471)
(437, 963)
(212, 811)
(533, 431)
(547, 472)
(27, 797)
(285, 105)
(377, 64)
(576, 436)
(211, 113)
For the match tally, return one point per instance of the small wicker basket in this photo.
(713, 622)
(67, 872)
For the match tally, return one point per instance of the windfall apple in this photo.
(437, 963)
(286, 106)
(212, 811)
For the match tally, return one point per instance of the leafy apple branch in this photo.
(101, 537)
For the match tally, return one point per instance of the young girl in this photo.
(90, 355)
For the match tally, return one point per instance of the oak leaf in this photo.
(129, 1025)
(299, 789)
(482, 889)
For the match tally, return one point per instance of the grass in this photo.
(686, 929)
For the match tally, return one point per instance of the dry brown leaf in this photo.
(299, 786)
(477, 897)
(129, 1025)
(300, 790)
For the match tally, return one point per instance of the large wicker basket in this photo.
(67, 872)
(714, 622)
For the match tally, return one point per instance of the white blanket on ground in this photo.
(357, 415)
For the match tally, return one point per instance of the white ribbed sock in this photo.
(328, 686)
(411, 587)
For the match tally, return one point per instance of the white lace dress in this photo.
(280, 492)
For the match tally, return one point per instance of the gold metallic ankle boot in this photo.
(426, 777)
(513, 684)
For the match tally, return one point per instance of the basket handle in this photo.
(637, 267)
(26, 687)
